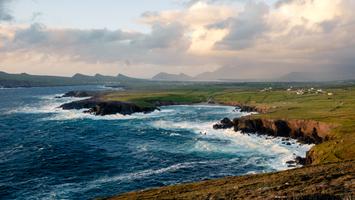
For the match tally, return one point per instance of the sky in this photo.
(232, 39)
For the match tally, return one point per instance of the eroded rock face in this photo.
(305, 131)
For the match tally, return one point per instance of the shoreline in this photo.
(254, 124)
(304, 131)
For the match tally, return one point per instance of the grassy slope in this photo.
(326, 181)
(338, 109)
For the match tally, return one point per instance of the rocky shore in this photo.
(97, 106)
(304, 131)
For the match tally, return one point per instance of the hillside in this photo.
(327, 181)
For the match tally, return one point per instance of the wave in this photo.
(61, 190)
(232, 142)
(169, 118)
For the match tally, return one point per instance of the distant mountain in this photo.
(230, 74)
(299, 77)
(27, 80)
(317, 76)
(223, 73)
(172, 77)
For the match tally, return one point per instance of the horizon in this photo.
(242, 40)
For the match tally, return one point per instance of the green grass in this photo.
(338, 110)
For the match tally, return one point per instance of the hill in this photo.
(26, 80)
(172, 77)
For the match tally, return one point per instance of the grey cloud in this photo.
(4, 12)
(165, 44)
(245, 28)
(283, 2)
(163, 36)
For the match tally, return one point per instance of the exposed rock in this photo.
(245, 108)
(81, 94)
(224, 124)
(99, 107)
(301, 161)
(290, 162)
(82, 104)
(306, 131)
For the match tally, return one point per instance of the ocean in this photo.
(48, 153)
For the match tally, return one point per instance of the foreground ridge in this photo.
(326, 181)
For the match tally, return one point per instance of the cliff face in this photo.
(305, 131)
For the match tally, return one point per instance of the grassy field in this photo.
(337, 109)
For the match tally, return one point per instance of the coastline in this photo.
(304, 131)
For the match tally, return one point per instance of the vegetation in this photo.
(337, 109)
(330, 177)
(326, 181)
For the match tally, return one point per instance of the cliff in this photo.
(305, 131)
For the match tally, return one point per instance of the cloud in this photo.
(249, 40)
(4, 12)
(245, 28)
(101, 45)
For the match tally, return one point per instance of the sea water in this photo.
(49, 153)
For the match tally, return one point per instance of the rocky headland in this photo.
(97, 105)
(304, 131)
(100, 107)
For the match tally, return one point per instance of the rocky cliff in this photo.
(305, 131)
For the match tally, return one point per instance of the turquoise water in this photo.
(48, 153)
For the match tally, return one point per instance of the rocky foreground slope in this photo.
(327, 181)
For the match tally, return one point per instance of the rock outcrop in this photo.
(224, 124)
(81, 94)
(247, 108)
(100, 107)
(305, 131)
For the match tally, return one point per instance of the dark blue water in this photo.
(47, 153)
